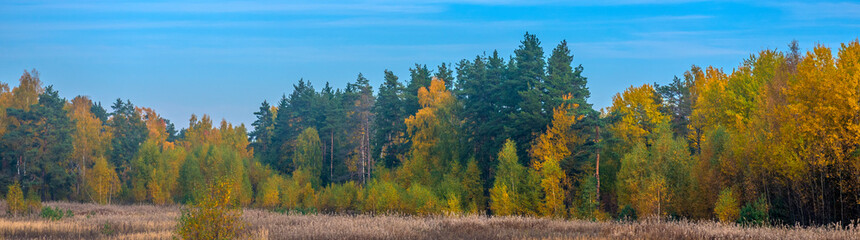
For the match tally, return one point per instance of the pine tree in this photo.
(263, 125)
(420, 77)
(529, 78)
(40, 146)
(390, 140)
(359, 102)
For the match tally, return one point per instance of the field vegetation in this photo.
(94, 221)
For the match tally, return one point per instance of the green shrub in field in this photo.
(34, 203)
(627, 213)
(268, 194)
(754, 213)
(453, 204)
(297, 192)
(339, 198)
(214, 216)
(55, 213)
(382, 196)
(15, 200)
(422, 201)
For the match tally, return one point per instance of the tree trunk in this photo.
(331, 158)
(597, 166)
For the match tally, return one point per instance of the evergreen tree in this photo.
(40, 146)
(129, 132)
(259, 137)
(333, 135)
(295, 113)
(531, 115)
(420, 76)
(479, 91)
(390, 140)
(446, 74)
(359, 102)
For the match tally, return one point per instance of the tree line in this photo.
(773, 141)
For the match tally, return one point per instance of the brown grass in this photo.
(92, 221)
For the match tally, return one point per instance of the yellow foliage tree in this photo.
(268, 194)
(91, 138)
(500, 200)
(214, 217)
(638, 112)
(103, 181)
(551, 147)
(15, 203)
(433, 131)
(727, 207)
(707, 104)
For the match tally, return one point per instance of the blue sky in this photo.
(224, 58)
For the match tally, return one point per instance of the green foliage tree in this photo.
(473, 198)
(510, 174)
(308, 155)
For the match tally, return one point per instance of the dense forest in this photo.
(774, 141)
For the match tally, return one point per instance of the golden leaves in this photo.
(639, 113)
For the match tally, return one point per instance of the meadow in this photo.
(93, 221)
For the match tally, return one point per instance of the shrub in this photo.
(34, 203)
(15, 200)
(755, 213)
(627, 213)
(338, 198)
(297, 193)
(108, 229)
(268, 194)
(453, 205)
(422, 201)
(501, 201)
(214, 217)
(382, 196)
(727, 206)
(55, 213)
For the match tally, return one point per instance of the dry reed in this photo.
(92, 221)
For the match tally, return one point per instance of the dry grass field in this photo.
(93, 221)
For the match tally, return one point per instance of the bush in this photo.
(422, 201)
(755, 213)
(297, 193)
(55, 213)
(382, 196)
(627, 213)
(338, 198)
(726, 208)
(33, 202)
(15, 200)
(268, 194)
(214, 217)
